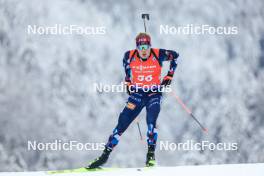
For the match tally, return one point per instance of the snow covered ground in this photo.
(206, 170)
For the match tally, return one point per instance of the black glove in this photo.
(167, 80)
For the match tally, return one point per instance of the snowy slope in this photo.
(215, 170)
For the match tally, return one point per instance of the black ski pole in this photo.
(144, 17)
(140, 134)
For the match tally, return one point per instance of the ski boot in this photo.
(100, 160)
(150, 161)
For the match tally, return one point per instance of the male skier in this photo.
(143, 72)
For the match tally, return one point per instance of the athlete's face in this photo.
(144, 51)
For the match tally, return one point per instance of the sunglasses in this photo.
(145, 47)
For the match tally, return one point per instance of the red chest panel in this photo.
(145, 73)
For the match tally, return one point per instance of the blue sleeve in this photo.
(126, 65)
(169, 55)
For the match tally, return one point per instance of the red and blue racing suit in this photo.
(143, 74)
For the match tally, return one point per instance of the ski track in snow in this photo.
(206, 170)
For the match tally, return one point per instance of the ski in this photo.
(79, 170)
(101, 169)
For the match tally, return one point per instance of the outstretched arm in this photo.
(169, 55)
